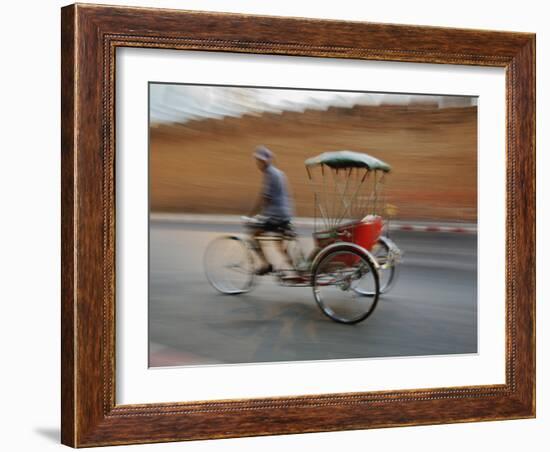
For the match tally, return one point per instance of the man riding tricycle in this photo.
(352, 263)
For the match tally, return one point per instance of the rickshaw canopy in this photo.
(348, 159)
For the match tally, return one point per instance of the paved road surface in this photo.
(431, 310)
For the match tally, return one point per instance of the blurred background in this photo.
(203, 176)
(202, 139)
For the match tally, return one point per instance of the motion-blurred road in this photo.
(431, 310)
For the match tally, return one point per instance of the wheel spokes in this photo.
(228, 265)
(335, 281)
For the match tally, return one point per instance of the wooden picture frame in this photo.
(90, 36)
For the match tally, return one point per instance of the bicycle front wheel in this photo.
(229, 265)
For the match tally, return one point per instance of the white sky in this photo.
(181, 103)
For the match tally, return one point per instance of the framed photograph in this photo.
(282, 225)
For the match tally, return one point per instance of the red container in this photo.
(364, 233)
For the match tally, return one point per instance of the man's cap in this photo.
(263, 153)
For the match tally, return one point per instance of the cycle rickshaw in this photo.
(352, 263)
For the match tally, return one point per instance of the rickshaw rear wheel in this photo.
(229, 265)
(334, 279)
(387, 271)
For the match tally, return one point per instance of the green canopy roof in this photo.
(348, 159)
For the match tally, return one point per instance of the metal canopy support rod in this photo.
(355, 193)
